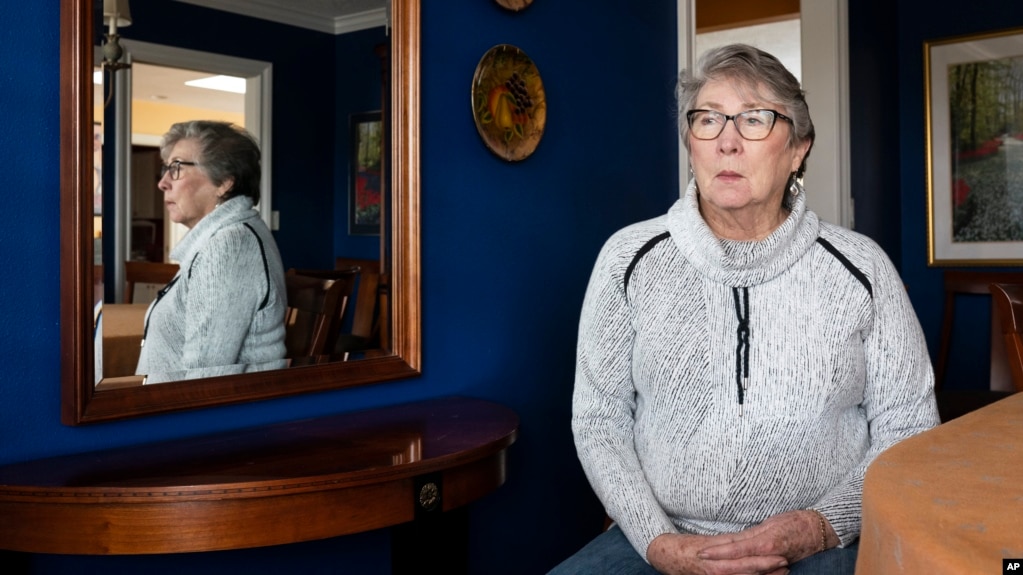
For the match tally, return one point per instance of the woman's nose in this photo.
(729, 140)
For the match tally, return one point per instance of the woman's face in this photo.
(735, 175)
(192, 195)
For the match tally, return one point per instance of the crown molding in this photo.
(288, 13)
(375, 18)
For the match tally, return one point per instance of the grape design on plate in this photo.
(509, 104)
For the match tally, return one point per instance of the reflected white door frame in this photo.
(825, 77)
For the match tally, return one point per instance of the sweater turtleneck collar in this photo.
(234, 210)
(741, 263)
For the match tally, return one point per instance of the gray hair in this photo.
(226, 151)
(755, 70)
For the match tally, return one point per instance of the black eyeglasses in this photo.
(751, 124)
(174, 168)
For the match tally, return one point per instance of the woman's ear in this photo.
(801, 150)
(224, 188)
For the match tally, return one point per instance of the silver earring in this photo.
(795, 185)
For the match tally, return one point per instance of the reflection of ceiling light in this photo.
(222, 83)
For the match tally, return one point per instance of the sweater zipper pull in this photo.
(742, 345)
(745, 388)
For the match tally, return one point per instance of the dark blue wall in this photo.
(874, 118)
(902, 86)
(507, 250)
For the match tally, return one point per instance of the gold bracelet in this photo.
(824, 532)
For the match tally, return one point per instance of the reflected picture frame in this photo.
(974, 137)
(365, 174)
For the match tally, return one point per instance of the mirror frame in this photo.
(80, 402)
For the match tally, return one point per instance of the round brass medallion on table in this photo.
(515, 5)
(429, 496)
(508, 102)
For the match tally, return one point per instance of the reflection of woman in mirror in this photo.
(224, 311)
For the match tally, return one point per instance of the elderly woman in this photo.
(741, 362)
(224, 311)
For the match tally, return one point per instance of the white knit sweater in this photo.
(837, 374)
(224, 312)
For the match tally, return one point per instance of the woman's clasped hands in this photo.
(767, 548)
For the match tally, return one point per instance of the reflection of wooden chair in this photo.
(962, 399)
(1009, 307)
(317, 300)
(370, 320)
(156, 273)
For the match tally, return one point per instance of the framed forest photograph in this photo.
(364, 207)
(974, 124)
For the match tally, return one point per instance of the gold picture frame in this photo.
(974, 141)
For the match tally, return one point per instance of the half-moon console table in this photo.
(406, 466)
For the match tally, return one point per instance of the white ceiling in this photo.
(167, 85)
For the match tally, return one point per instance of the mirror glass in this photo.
(296, 169)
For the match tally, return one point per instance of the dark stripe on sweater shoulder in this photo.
(848, 264)
(266, 266)
(649, 245)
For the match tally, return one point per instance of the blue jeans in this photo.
(610, 553)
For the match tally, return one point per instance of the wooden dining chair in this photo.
(959, 398)
(154, 273)
(370, 318)
(1009, 308)
(317, 300)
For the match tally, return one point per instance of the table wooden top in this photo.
(268, 485)
(122, 327)
(950, 500)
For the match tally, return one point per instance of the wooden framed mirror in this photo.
(80, 401)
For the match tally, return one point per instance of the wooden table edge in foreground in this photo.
(949, 500)
(269, 485)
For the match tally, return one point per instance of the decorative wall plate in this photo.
(508, 102)
(515, 5)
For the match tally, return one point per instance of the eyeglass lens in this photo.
(174, 168)
(751, 124)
